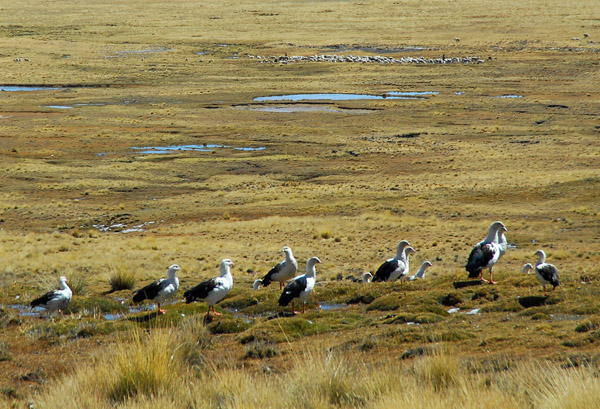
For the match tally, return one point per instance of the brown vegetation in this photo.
(341, 180)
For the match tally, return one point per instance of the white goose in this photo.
(395, 267)
(301, 286)
(281, 272)
(546, 273)
(485, 254)
(160, 290)
(55, 300)
(420, 272)
(214, 290)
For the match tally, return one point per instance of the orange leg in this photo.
(160, 312)
(303, 307)
(293, 308)
(491, 280)
(214, 311)
(481, 277)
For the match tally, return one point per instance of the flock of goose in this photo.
(484, 255)
(335, 58)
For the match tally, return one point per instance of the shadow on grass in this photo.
(532, 301)
(463, 284)
(283, 314)
(143, 318)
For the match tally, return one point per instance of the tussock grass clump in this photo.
(260, 350)
(438, 370)
(330, 379)
(587, 325)
(122, 280)
(79, 283)
(143, 368)
(192, 338)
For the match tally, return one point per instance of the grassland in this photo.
(341, 180)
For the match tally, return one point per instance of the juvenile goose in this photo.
(546, 273)
(420, 272)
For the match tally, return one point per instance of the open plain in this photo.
(138, 134)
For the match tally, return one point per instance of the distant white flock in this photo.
(373, 59)
(484, 255)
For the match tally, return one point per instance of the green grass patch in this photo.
(228, 325)
(93, 304)
(390, 302)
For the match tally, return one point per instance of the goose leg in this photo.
(491, 280)
(214, 311)
(481, 277)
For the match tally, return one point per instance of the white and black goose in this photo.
(300, 286)
(546, 273)
(214, 290)
(160, 290)
(281, 272)
(502, 242)
(55, 300)
(395, 267)
(420, 274)
(406, 255)
(485, 254)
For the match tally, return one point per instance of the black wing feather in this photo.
(292, 290)
(549, 273)
(269, 276)
(200, 291)
(385, 270)
(151, 290)
(44, 299)
(480, 256)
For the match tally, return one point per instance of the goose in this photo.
(214, 290)
(485, 254)
(421, 272)
(406, 254)
(160, 290)
(300, 286)
(394, 267)
(55, 300)
(281, 272)
(501, 240)
(546, 273)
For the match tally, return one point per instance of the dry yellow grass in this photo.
(149, 372)
(345, 185)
